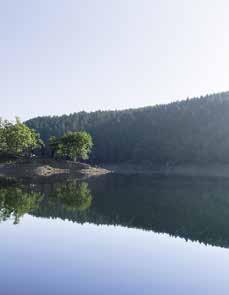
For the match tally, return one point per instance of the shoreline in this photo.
(43, 168)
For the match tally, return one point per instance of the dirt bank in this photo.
(47, 168)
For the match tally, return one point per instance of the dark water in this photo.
(115, 235)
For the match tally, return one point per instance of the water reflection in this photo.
(72, 196)
(15, 201)
(195, 209)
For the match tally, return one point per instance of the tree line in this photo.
(18, 140)
(193, 130)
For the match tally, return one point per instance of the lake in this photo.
(114, 235)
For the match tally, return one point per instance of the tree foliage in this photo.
(73, 145)
(17, 138)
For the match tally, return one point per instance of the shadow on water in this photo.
(191, 208)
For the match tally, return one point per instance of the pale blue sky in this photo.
(64, 56)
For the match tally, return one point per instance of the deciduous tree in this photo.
(73, 145)
(17, 139)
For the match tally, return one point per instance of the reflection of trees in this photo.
(195, 209)
(72, 196)
(15, 202)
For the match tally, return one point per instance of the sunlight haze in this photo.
(59, 57)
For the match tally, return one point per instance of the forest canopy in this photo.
(193, 130)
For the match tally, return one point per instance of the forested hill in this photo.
(194, 130)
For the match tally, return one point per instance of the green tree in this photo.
(17, 139)
(54, 145)
(73, 145)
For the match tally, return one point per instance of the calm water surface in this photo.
(115, 235)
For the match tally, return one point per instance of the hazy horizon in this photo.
(130, 108)
(109, 109)
(60, 57)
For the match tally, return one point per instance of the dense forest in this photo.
(194, 130)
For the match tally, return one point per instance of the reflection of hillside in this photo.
(190, 208)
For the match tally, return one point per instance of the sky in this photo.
(64, 56)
